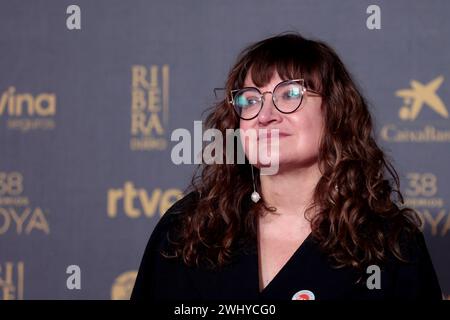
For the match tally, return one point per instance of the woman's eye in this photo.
(293, 93)
(252, 100)
(247, 101)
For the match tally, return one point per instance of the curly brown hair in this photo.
(357, 224)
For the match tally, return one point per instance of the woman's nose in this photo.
(268, 112)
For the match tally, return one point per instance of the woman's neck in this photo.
(290, 190)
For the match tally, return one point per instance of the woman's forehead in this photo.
(260, 77)
(274, 77)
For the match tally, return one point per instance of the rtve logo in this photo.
(419, 95)
(135, 202)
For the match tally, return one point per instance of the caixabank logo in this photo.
(419, 96)
(423, 118)
(24, 111)
(413, 125)
(18, 215)
(149, 107)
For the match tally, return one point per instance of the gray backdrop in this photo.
(85, 168)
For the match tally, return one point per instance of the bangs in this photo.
(291, 57)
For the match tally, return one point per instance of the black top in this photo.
(162, 279)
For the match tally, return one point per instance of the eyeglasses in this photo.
(287, 97)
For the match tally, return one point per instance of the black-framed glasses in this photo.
(287, 97)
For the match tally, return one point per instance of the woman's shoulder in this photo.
(414, 274)
(152, 279)
(179, 207)
(412, 245)
(170, 219)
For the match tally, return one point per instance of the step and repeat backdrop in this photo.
(90, 92)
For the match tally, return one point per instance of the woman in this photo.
(322, 227)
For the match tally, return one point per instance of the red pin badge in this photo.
(303, 295)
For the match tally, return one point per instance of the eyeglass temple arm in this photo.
(223, 89)
(314, 91)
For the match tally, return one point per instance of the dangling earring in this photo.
(255, 195)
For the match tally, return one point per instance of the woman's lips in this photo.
(269, 136)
